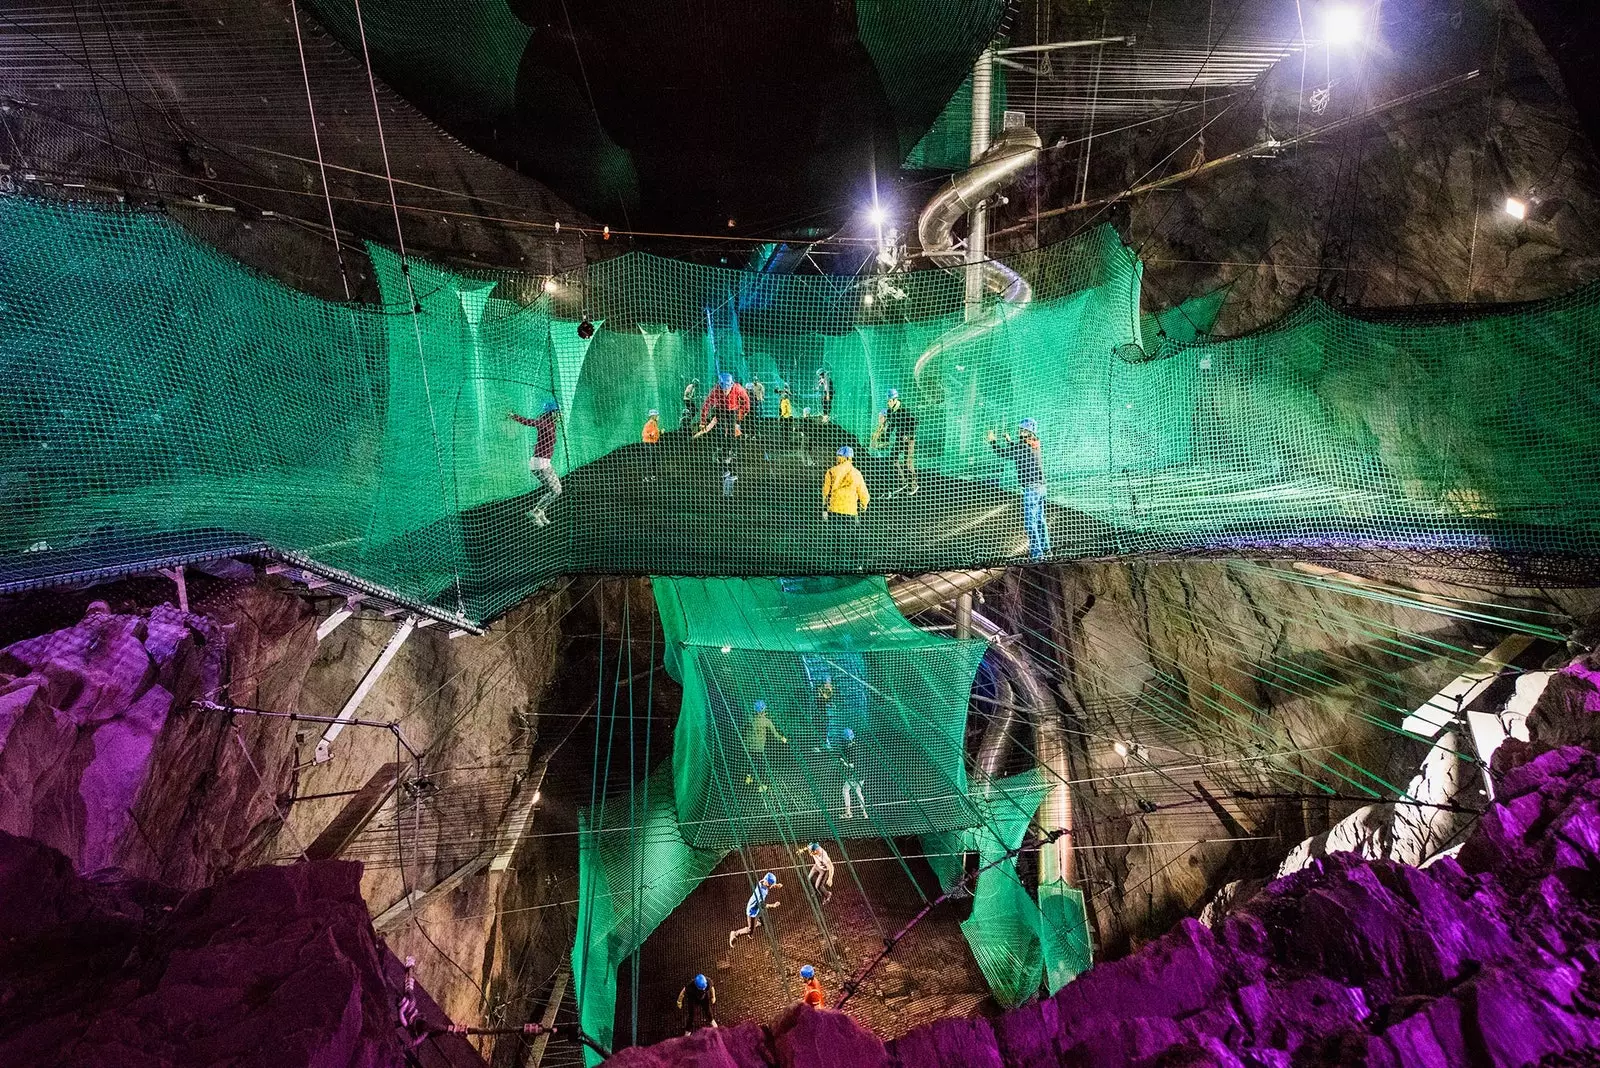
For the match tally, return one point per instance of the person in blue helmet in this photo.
(542, 463)
(697, 998)
(756, 907)
(725, 410)
(1026, 454)
(821, 873)
(814, 995)
(756, 736)
(846, 753)
(844, 499)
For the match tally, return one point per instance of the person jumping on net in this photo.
(697, 998)
(844, 499)
(651, 437)
(542, 463)
(897, 429)
(846, 753)
(821, 873)
(725, 408)
(1027, 456)
(813, 995)
(755, 909)
(761, 731)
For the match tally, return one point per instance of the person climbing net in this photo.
(542, 463)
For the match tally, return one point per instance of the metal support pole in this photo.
(964, 615)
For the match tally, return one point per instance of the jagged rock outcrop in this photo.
(103, 758)
(275, 966)
(1494, 959)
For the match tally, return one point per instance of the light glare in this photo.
(876, 215)
(1517, 209)
(1343, 24)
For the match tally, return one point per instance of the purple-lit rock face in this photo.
(273, 967)
(80, 711)
(1494, 960)
(103, 757)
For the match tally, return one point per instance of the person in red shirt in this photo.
(725, 409)
(814, 995)
(542, 463)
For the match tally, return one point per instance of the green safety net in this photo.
(634, 868)
(165, 403)
(1018, 941)
(852, 692)
(947, 146)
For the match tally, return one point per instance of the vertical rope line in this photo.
(405, 272)
(316, 139)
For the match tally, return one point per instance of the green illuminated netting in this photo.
(1018, 942)
(947, 146)
(164, 402)
(634, 868)
(827, 656)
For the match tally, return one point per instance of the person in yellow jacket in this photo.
(844, 499)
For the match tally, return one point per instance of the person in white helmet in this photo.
(756, 907)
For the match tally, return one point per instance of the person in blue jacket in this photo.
(1025, 453)
(756, 907)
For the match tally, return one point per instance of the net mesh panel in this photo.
(1018, 942)
(947, 146)
(634, 868)
(852, 691)
(164, 402)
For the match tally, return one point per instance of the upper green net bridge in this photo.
(163, 403)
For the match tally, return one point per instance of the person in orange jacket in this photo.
(651, 436)
(844, 498)
(814, 995)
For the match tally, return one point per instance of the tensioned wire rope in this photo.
(1279, 682)
(1208, 700)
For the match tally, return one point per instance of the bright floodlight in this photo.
(550, 285)
(1517, 209)
(876, 215)
(1344, 24)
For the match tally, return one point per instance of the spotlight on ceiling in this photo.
(876, 215)
(550, 285)
(1516, 208)
(1344, 25)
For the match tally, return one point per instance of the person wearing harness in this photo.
(1027, 456)
(697, 998)
(542, 463)
(755, 908)
(821, 873)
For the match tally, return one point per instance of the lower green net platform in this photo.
(855, 694)
(164, 403)
(794, 688)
